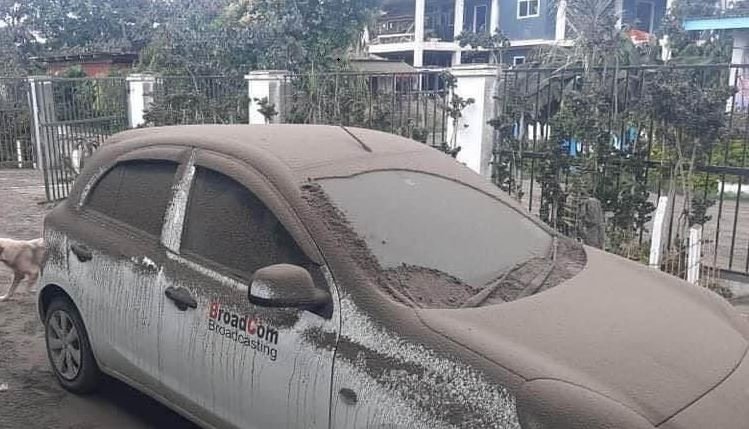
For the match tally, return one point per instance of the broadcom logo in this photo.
(246, 330)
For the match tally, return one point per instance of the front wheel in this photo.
(68, 348)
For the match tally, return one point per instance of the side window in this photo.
(135, 193)
(228, 225)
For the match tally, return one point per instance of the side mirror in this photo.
(287, 286)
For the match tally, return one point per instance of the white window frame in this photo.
(486, 15)
(538, 9)
(516, 58)
(651, 24)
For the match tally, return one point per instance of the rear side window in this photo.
(228, 225)
(135, 193)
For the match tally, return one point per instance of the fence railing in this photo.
(409, 104)
(70, 117)
(73, 117)
(183, 100)
(555, 145)
(16, 141)
(610, 133)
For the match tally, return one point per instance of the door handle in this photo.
(82, 252)
(348, 396)
(181, 298)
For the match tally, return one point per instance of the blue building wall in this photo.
(516, 52)
(544, 25)
(540, 27)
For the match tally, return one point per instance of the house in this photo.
(423, 32)
(733, 22)
(95, 64)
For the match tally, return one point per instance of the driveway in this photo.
(33, 398)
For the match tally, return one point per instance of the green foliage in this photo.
(495, 43)
(266, 108)
(592, 99)
(183, 37)
(454, 110)
(304, 35)
(388, 103)
(198, 100)
(76, 26)
(195, 39)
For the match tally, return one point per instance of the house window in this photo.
(644, 16)
(528, 8)
(479, 18)
(516, 61)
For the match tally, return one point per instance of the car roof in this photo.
(305, 151)
(289, 155)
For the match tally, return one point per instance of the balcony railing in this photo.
(401, 32)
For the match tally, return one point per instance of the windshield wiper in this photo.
(535, 286)
(532, 287)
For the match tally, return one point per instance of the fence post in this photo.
(473, 133)
(266, 85)
(660, 234)
(41, 101)
(695, 254)
(139, 97)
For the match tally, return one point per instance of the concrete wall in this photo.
(474, 134)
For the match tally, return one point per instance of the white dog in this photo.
(25, 258)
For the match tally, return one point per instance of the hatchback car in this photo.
(329, 277)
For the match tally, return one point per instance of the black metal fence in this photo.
(627, 136)
(413, 105)
(16, 141)
(183, 100)
(74, 116)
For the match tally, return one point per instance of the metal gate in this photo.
(16, 142)
(72, 118)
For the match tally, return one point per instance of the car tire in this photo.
(68, 348)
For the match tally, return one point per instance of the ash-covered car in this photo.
(328, 277)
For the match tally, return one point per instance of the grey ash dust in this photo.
(422, 287)
(446, 392)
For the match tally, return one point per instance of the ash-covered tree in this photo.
(592, 99)
(232, 37)
(78, 26)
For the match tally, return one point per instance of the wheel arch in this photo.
(47, 294)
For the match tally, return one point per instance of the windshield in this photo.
(416, 219)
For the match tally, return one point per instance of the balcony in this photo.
(397, 24)
(394, 29)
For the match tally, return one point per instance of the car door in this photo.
(114, 253)
(222, 359)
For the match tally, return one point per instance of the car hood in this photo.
(646, 340)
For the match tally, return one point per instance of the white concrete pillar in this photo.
(494, 17)
(659, 232)
(694, 257)
(419, 11)
(266, 84)
(140, 97)
(473, 133)
(738, 54)
(561, 23)
(618, 12)
(458, 28)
